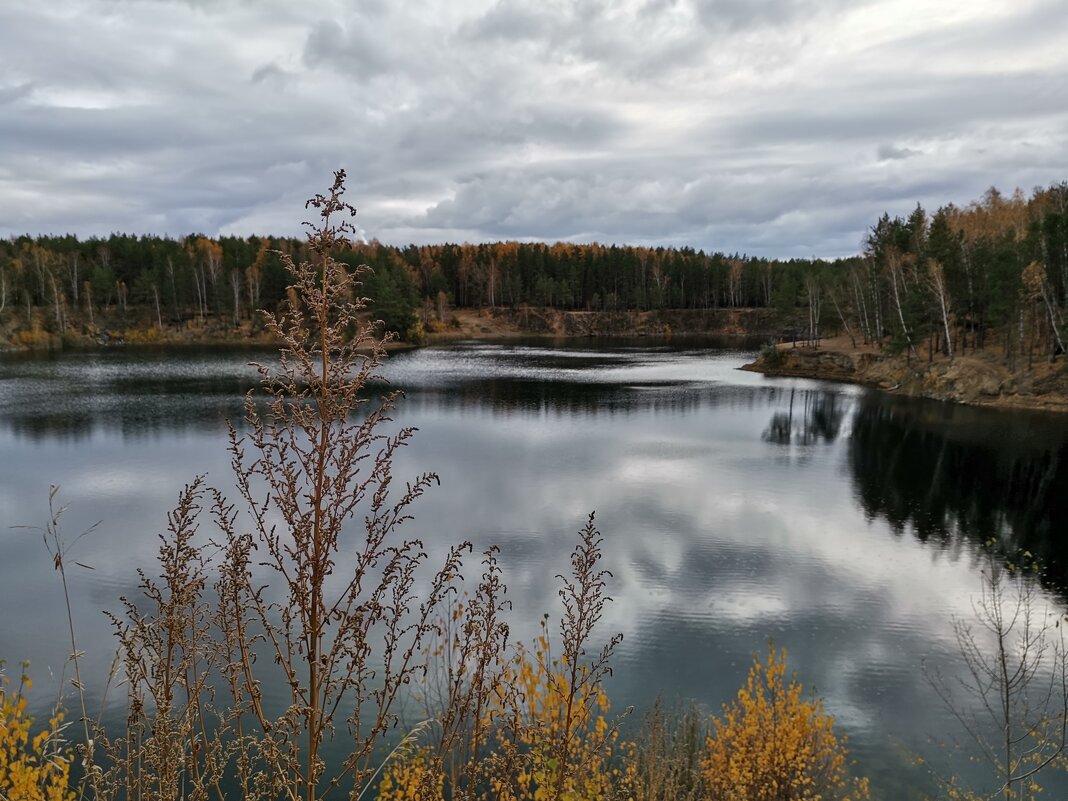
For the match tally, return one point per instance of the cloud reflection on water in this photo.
(736, 509)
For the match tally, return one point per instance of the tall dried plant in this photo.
(316, 588)
(321, 461)
(668, 753)
(580, 681)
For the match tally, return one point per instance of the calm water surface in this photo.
(737, 509)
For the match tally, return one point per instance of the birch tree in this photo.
(936, 278)
(1036, 285)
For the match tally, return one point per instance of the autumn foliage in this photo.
(773, 744)
(589, 773)
(596, 759)
(33, 766)
(531, 718)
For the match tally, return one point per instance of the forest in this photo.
(992, 273)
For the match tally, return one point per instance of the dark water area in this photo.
(943, 472)
(844, 525)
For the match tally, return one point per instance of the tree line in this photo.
(958, 279)
(196, 276)
(938, 282)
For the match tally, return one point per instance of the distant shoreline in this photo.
(141, 327)
(977, 378)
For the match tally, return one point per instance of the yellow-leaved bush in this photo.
(33, 767)
(597, 764)
(411, 776)
(531, 718)
(773, 744)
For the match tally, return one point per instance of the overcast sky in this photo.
(770, 127)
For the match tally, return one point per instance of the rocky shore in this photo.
(980, 379)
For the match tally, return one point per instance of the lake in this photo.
(842, 524)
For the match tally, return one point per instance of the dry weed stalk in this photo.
(172, 746)
(338, 618)
(322, 461)
(583, 596)
(475, 645)
(668, 754)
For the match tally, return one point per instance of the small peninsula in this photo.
(978, 379)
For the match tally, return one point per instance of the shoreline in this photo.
(487, 324)
(976, 379)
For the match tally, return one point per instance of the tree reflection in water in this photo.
(948, 473)
(812, 416)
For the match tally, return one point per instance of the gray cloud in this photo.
(886, 152)
(744, 15)
(359, 52)
(11, 94)
(270, 72)
(511, 22)
(781, 127)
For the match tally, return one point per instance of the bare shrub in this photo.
(1011, 698)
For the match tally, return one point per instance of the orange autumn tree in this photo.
(773, 744)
